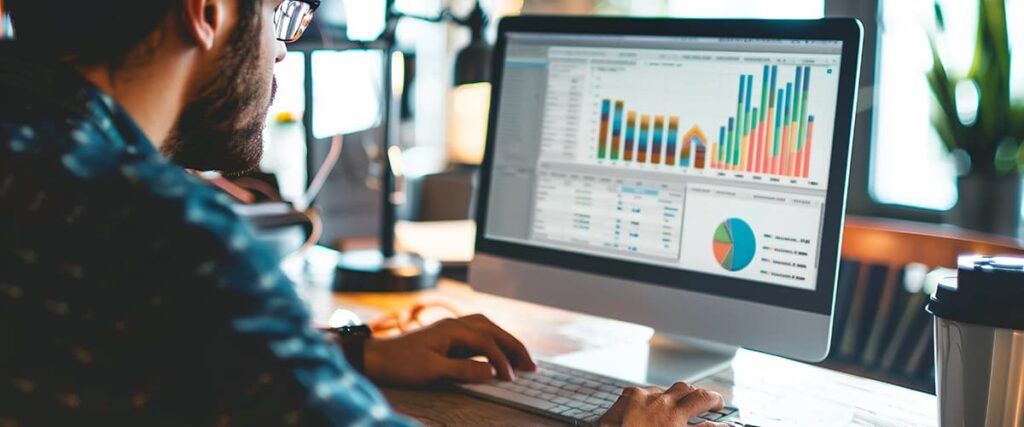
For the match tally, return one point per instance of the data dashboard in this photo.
(705, 154)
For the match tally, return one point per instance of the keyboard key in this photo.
(575, 404)
(561, 400)
(711, 416)
(547, 396)
(695, 420)
(573, 413)
(728, 410)
(560, 409)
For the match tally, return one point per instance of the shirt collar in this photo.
(33, 89)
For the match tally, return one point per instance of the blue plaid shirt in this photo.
(130, 294)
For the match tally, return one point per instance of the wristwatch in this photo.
(353, 343)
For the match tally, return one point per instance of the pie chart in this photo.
(734, 244)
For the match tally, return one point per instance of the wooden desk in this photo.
(769, 390)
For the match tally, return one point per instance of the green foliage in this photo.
(993, 139)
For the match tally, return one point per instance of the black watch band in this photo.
(353, 343)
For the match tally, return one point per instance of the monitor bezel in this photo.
(821, 300)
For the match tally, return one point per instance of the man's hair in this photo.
(92, 32)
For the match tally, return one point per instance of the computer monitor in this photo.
(688, 175)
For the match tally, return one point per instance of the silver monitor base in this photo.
(665, 360)
(674, 359)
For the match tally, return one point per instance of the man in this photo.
(130, 294)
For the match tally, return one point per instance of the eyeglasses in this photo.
(292, 17)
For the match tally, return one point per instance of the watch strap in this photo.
(353, 344)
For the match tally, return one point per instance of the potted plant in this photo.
(979, 123)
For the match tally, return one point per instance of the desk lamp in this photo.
(386, 270)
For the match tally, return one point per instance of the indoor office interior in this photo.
(381, 166)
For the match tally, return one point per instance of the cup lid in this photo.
(988, 290)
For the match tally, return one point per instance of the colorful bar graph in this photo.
(743, 149)
(716, 151)
(673, 134)
(807, 148)
(765, 161)
(725, 161)
(786, 126)
(694, 148)
(602, 144)
(759, 129)
(773, 164)
(630, 135)
(645, 124)
(617, 130)
(771, 136)
(659, 125)
(701, 153)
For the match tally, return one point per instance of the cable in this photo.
(314, 234)
(406, 320)
(325, 170)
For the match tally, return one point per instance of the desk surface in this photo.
(769, 390)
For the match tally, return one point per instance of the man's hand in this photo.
(654, 406)
(441, 352)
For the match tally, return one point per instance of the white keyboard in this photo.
(566, 394)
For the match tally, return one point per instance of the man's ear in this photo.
(202, 21)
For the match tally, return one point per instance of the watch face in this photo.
(354, 330)
(341, 318)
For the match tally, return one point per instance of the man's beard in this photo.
(222, 127)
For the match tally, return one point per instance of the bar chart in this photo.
(773, 136)
(638, 137)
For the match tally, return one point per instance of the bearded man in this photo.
(130, 293)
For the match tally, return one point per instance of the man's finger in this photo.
(466, 370)
(699, 402)
(481, 343)
(680, 390)
(512, 346)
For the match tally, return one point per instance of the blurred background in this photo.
(915, 158)
(901, 166)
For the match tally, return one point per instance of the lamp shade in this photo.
(473, 63)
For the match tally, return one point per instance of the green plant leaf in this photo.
(991, 69)
(940, 21)
(1006, 156)
(943, 87)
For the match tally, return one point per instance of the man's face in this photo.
(221, 126)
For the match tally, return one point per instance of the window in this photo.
(777, 9)
(346, 91)
(909, 167)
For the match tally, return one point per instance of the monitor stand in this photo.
(663, 361)
(674, 358)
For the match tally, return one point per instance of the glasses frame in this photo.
(313, 6)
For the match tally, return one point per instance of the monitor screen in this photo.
(703, 154)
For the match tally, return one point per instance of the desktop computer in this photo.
(687, 175)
